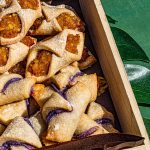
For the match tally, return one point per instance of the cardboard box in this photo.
(112, 66)
(121, 92)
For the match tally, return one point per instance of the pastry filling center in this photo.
(10, 26)
(72, 43)
(29, 4)
(4, 52)
(40, 65)
(29, 41)
(37, 23)
(66, 21)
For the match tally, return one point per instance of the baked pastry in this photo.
(88, 127)
(61, 123)
(14, 88)
(29, 41)
(5, 3)
(16, 20)
(7, 144)
(51, 55)
(87, 59)
(2, 3)
(99, 113)
(54, 20)
(41, 93)
(12, 54)
(64, 79)
(10, 111)
(44, 95)
(90, 81)
(19, 148)
(38, 123)
(56, 101)
(20, 67)
(48, 103)
(71, 74)
(19, 133)
(65, 75)
(103, 117)
(47, 142)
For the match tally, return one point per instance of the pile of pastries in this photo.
(45, 97)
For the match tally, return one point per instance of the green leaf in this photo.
(128, 48)
(139, 77)
(111, 20)
(133, 17)
(145, 111)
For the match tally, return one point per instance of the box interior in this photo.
(105, 98)
(120, 89)
(116, 98)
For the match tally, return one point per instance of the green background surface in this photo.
(133, 18)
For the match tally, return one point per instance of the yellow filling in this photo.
(37, 23)
(66, 21)
(72, 43)
(4, 52)
(28, 40)
(40, 65)
(28, 4)
(10, 26)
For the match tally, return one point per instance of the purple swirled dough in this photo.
(104, 121)
(8, 144)
(72, 78)
(63, 92)
(28, 122)
(85, 133)
(10, 82)
(53, 113)
(60, 92)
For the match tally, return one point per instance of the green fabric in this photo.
(129, 21)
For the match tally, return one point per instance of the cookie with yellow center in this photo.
(55, 19)
(16, 20)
